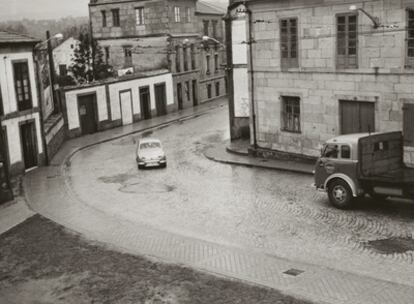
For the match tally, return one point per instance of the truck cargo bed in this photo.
(402, 176)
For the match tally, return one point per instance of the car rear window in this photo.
(149, 145)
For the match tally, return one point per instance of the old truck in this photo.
(354, 165)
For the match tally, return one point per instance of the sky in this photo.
(48, 9)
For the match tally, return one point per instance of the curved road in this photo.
(273, 212)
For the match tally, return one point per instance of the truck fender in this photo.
(345, 178)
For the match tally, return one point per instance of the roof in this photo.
(14, 38)
(349, 138)
(208, 9)
(149, 140)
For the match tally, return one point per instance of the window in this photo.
(177, 14)
(193, 61)
(139, 15)
(216, 63)
(347, 41)
(208, 64)
(187, 90)
(177, 59)
(188, 13)
(185, 55)
(291, 114)
(115, 17)
(410, 39)
(330, 151)
(209, 91)
(205, 27)
(128, 56)
(214, 24)
(103, 18)
(22, 85)
(356, 116)
(63, 71)
(345, 152)
(289, 43)
(107, 54)
(217, 88)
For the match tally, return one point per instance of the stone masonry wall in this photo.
(381, 76)
(158, 16)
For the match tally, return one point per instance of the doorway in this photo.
(125, 98)
(195, 92)
(357, 116)
(160, 99)
(180, 96)
(29, 144)
(87, 113)
(145, 101)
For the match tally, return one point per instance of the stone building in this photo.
(324, 68)
(21, 145)
(139, 36)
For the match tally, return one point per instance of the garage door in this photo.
(357, 116)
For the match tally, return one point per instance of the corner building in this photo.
(141, 36)
(324, 68)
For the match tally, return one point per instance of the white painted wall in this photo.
(114, 95)
(13, 136)
(63, 54)
(239, 35)
(7, 80)
(10, 104)
(72, 104)
(134, 85)
(241, 93)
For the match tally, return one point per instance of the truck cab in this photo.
(357, 164)
(337, 167)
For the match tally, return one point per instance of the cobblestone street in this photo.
(275, 212)
(248, 223)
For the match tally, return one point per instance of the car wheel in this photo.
(164, 165)
(340, 194)
(140, 167)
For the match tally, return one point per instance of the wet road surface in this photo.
(274, 212)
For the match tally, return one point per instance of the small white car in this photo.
(150, 153)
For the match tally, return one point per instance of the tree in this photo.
(88, 64)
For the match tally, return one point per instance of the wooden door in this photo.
(357, 116)
(195, 93)
(145, 101)
(87, 114)
(180, 96)
(5, 190)
(29, 144)
(160, 99)
(408, 125)
(125, 98)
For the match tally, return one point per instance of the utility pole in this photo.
(56, 105)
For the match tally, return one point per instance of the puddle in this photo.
(391, 245)
(116, 179)
(153, 188)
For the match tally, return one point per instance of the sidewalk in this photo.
(48, 192)
(236, 153)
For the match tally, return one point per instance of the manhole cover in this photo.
(391, 245)
(293, 272)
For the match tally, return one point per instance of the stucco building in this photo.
(324, 68)
(139, 36)
(20, 129)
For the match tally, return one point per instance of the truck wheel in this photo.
(340, 194)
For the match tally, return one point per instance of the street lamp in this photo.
(375, 20)
(207, 38)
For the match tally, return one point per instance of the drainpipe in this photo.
(250, 44)
(229, 69)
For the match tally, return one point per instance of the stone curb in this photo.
(257, 165)
(232, 151)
